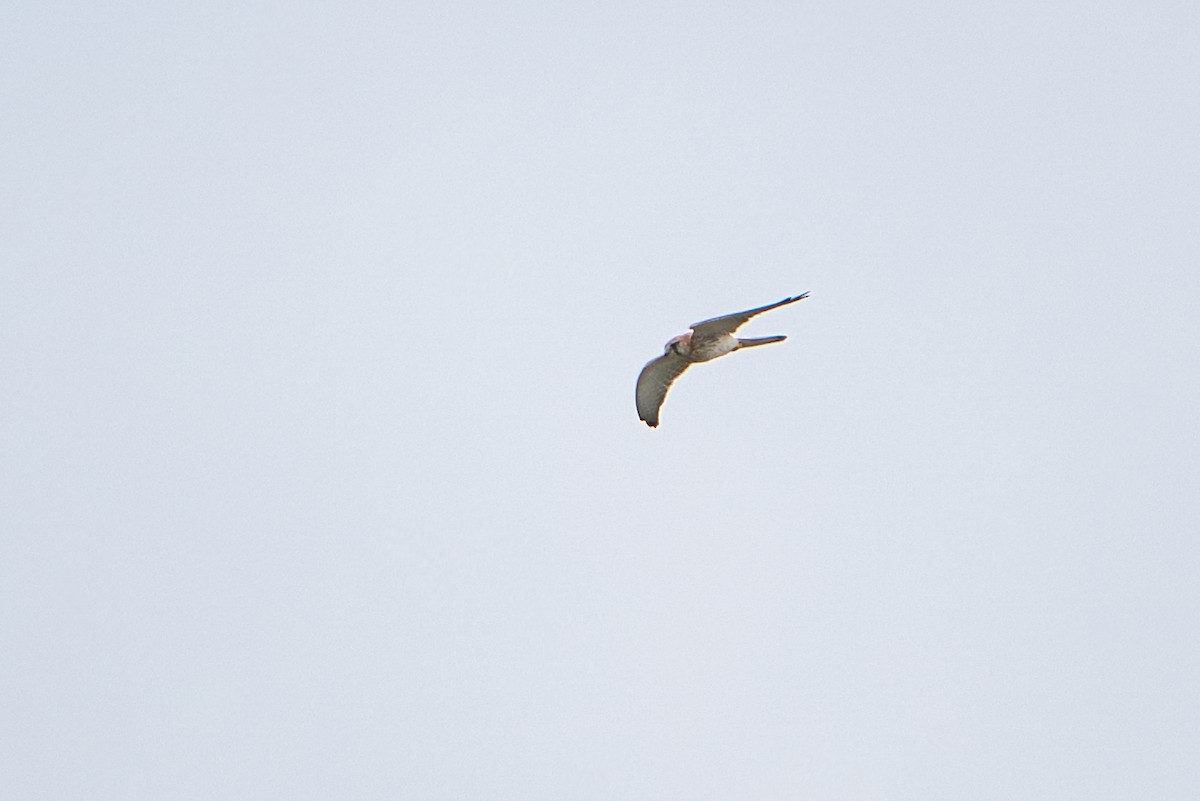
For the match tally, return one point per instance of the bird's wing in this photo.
(653, 383)
(731, 322)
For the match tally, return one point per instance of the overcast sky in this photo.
(320, 472)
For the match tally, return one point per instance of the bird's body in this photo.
(706, 341)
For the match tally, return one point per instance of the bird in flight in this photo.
(705, 342)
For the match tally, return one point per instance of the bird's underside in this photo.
(707, 340)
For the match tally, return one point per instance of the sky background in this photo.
(320, 473)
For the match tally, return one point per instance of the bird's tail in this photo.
(749, 343)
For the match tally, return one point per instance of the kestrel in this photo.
(705, 342)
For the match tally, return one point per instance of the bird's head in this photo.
(679, 343)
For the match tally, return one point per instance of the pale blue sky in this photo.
(321, 475)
